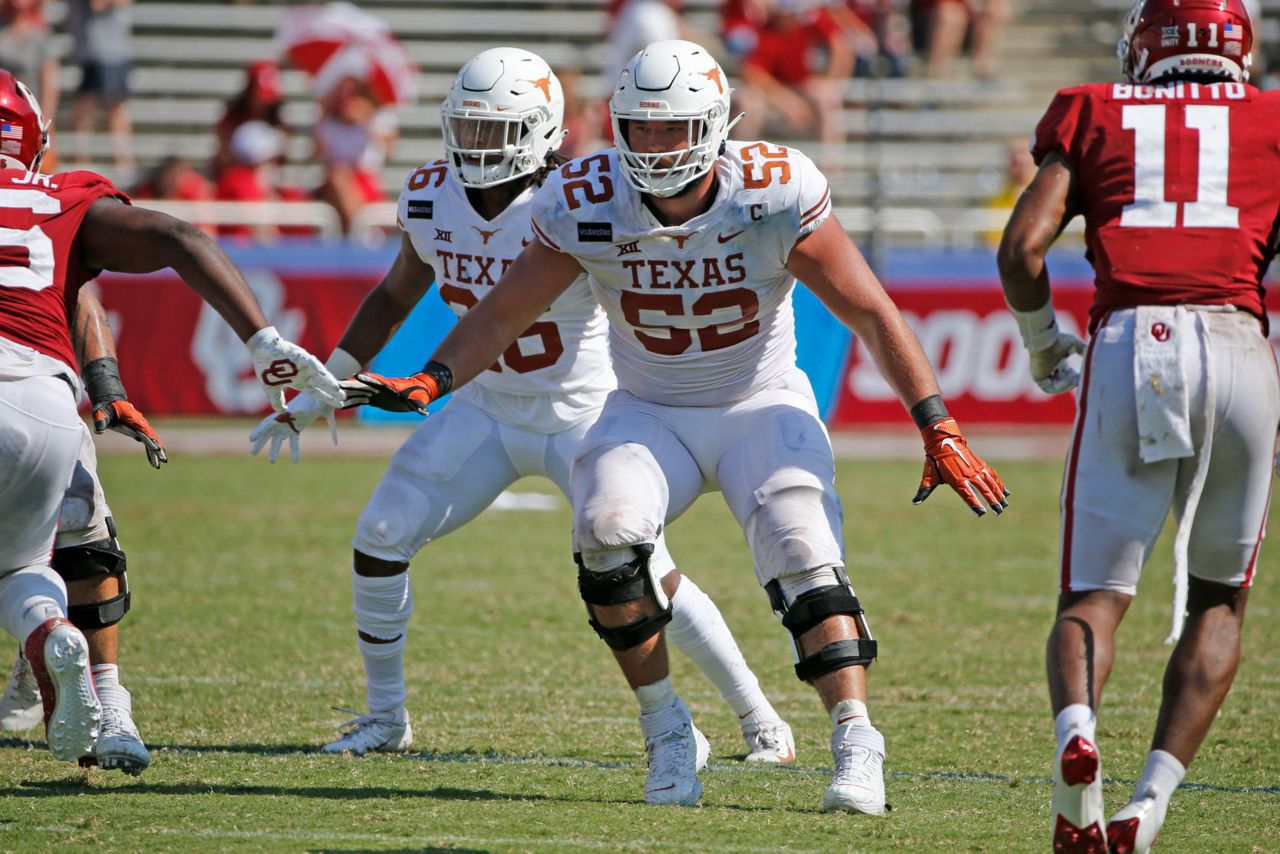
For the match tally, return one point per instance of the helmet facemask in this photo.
(487, 148)
(666, 173)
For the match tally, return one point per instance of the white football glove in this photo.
(288, 425)
(279, 364)
(1049, 348)
(1049, 366)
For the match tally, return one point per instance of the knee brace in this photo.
(811, 608)
(382, 605)
(90, 560)
(626, 583)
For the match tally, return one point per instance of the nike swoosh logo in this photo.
(848, 718)
(725, 238)
(955, 449)
(744, 717)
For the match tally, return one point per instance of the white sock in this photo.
(384, 677)
(699, 631)
(28, 598)
(105, 674)
(1076, 719)
(1160, 779)
(655, 696)
(851, 712)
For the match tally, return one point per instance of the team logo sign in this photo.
(279, 372)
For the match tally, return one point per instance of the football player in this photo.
(692, 244)
(464, 220)
(65, 229)
(1177, 175)
(88, 557)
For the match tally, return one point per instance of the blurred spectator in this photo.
(880, 35)
(942, 27)
(27, 50)
(740, 20)
(635, 24)
(352, 139)
(101, 34)
(779, 74)
(174, 179)
(259, 99)
(252, 175)
(1020, 168)
(584, 118)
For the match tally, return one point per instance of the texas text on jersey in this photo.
(700, 313)
(40, 275)
(1188, 160)
(561, 362)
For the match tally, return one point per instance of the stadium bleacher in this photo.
(926, 153)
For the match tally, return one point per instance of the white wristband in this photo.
(264, 335)
(1039, 328)
(342, 364)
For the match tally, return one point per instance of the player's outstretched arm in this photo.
(828, 263)
(375, 321)
(529, 286)
(1042, 211)
(127, 239)
(96, 352)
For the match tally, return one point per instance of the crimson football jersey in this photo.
(40, 275)
(1179, 186)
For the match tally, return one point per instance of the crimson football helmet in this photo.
(24, 134)
(1164, 37)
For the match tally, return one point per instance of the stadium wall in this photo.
(310, 290)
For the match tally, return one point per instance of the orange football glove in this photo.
(121, 416)
(949, 460)
(394, 394)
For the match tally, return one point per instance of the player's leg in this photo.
(1226, 533)
(449, 470)
(88, 556)
(1113, 507)
(628, 471)
(697, 629)
(777, 473)
(39, 439)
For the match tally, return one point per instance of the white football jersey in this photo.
(558, 371)
(700, 314)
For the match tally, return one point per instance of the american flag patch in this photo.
(1232, 33)
(10, 131)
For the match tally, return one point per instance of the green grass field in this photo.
(241, 638)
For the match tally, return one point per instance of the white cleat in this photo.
(119, 745)
(59, 657)
(858, 782)
(371, 733)
(1134, 829)
(1077, 799)
(20, 706)
(770, 741)
(677, 751)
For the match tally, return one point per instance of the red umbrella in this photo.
(337, 40)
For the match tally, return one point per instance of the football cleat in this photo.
(1134, 829)
(377, 733)
(59, 657)
(1077, 799)
(677, 751)
(858, 782)
(769, 741)
(20, 706)
(119, 744)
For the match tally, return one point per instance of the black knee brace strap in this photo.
(813, 607)
(837, 656)
(627, 583)
(99, 615)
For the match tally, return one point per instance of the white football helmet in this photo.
(671, 81)
(502, 116)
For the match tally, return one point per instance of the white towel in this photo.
(1163, 338)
